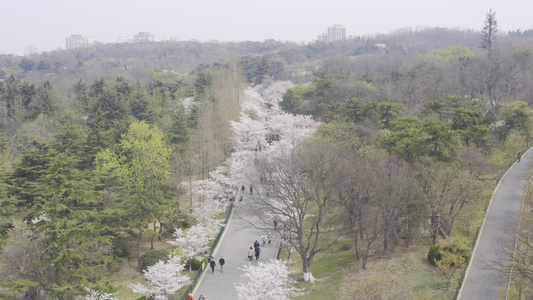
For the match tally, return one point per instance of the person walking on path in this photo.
(256, 244)
(251, 190)
(242, 188)
(519, 156)
(275, 225)
(257, 252)
(201, 297)
(189, 297)
(213, 264)
(240, 202)
(264, 239)
(269, 237)
(221, 262)
(251, 253)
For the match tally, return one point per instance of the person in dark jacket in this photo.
(257, 251)
(221, 262)
(213, 264)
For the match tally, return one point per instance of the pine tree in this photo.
(488, 40)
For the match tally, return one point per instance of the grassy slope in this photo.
(338, 270)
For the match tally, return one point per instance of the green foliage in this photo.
(436, 253)
(137, 167)
(197, 262)
(150, 258)
(257, 68)
(26, 64)
(453, 52)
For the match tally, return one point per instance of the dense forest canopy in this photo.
(96, 142)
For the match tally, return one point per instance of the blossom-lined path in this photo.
(482, 282)
(250, 144)
(238, 238)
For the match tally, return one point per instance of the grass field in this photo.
(337, 273)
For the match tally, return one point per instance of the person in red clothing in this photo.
(189, 297)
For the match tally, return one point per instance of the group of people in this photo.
(213, 264)
(189, 297)
(266, 238)
(255, 251)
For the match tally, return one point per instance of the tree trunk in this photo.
(152, 240)
(308, 276)
(160, 228)
(356, 244)
(386, 238)
(139, 247)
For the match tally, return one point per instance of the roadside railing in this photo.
(194, 281)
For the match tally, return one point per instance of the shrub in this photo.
(436, 252)
(152, 257)
(197, 262)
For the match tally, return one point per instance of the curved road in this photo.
(482, 282)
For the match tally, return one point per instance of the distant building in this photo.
(335, 33)
(144, 37)
(170, 39)
(78, 41)
(323, 37)
(124, 40)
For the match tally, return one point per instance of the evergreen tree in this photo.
(489, 31)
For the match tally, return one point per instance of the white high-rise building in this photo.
(335, 33)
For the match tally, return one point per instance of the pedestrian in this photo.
(201, 297)
(257, 252)
(240, 202)
(251, 190)
(242, 188)
(275, 225)
(213, 264)
(256, 244)
(251, 253)
(519, 156)
(189, 297)
(264, 239)
(221, 262)
(269, 237)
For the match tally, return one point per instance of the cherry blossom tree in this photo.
(96, 295)
(267, 281)
(247, 133)
(162, 279)
(193, 242)
(205, 199)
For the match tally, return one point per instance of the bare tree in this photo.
(448, 191)
(392, 180)
(358, 214)
(304, 182)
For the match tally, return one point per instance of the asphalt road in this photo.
(482, 281)
(240, 234)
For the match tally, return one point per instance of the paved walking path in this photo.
(238, 237)
(500, 222)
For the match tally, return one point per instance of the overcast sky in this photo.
(44, 24)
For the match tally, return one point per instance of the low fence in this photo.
(194, 281)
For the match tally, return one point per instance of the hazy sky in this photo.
(44, 24)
